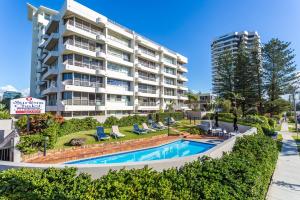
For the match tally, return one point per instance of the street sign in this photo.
(27, 106)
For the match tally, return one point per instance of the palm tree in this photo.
(193, 100)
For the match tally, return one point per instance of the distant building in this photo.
(11, 95)
(206, 100)
(230, 42)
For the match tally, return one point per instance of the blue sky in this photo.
(186, 26)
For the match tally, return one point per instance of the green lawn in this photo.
(298, 142)
(185, 125)
(90, 136)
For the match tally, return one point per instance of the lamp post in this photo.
(46, 138)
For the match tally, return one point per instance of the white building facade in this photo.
(84, 64)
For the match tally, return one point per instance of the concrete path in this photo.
(286, 178)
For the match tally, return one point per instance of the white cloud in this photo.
(25, 91)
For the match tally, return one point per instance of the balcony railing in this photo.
(84, 65)
(83, 83)
(169, 94)
(147, 104)
(86, 47)
(85, 102)
(147, 65)
(148, 91)
(85, 28)
(147, 78)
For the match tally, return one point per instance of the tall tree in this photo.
(256, 65)
(243, 78)
(279, 68)
(193, 100)
(223, 79)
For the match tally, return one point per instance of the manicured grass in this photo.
(90, 136)
(297, 141)
(185, 125)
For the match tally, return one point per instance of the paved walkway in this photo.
(286, 179)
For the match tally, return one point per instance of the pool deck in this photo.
(76, 153)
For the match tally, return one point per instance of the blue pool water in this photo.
(175, 149)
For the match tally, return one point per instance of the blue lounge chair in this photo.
(138, 130)
(100, 134)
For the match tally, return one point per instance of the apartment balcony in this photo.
(182, 68)
(119, 105)
(52, 25)
(99, 105)
(147, 80)
(41, 70)
(119, 75)
(71, 29)
(182, 107)
(182, 87)
(79, 108)
(49, 90)
(168, 52)
(154, 70)
(182, 78)
(101, 21)
(77, 86)
(51, 41)
(182, 58)
(182, 97)
(119, 45)
(79, 68)
(169, 75)
(112, 89)
(168, 64)
(51, 72)
(147, 93)
(169, 85)
(70, 48)
(51, 57)
(169, 96)
(119, 60)
(148, 106)
(146, 42)
(140, 53)
(41, 82)
(100, 54)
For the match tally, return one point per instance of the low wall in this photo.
(98, 170)
(6, 125)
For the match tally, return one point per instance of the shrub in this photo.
(33, 143)
(195, 131)
(75, 125)
(4, 114)
(242, 174)
(110, 121)
(163, 116)
(37, 123)
(291, 119)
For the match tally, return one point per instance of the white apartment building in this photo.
(84, 64)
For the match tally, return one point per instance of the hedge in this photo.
(242, 174)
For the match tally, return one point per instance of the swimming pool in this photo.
(179, 148)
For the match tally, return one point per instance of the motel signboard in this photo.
(27, 106)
